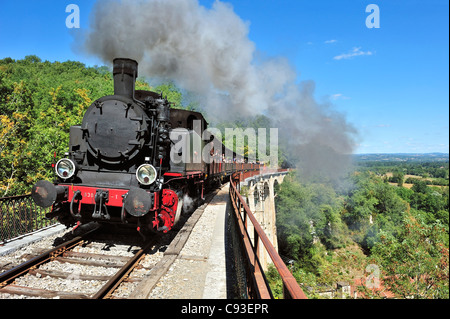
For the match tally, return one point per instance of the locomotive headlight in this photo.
(65, 168)
(146, 174)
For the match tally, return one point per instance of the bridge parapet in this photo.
(19, 215)
(254, 246)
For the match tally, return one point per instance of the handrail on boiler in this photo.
(258, 286)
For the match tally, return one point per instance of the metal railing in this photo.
(19, 215)
(258, 286)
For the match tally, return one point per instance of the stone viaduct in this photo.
(260, 194)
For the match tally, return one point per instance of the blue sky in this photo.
(390, 82)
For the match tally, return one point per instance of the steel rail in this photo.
(107, 290)
(10, 275)
(291, 289)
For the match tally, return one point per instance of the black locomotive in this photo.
(123, 167)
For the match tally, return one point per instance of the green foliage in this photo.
(307, 281)
(373, 205)
(403, 231)
(436, 170)
(397, 178)
(39, 101)
(305, 214)
(415, 262)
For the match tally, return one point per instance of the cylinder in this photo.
(125, 72)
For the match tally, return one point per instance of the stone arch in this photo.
(276, 184)
(256, 199)
(266, 191)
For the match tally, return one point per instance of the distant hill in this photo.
(403, 157)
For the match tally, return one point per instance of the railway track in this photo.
(86, 267)
(80, 270)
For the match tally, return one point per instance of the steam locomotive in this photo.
(133, 160)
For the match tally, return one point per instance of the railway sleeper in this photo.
(43, 293)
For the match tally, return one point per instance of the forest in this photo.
(341, 232)
(388, 213)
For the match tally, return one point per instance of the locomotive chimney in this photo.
(125, 72)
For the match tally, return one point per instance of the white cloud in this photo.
(339, 96)
(354, 52)
(330, 41)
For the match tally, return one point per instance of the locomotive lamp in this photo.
(146, 174)
(65, 168)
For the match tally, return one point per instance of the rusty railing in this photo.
(19, 215)
(258, 286)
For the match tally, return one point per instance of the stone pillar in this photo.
(261, 201)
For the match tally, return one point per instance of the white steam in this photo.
(188, 204)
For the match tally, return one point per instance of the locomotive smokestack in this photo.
(125, 72)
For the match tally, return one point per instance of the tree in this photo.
(308, 222)
(39, 101)
(361, 202)
(415, 264)
(15, 122)
(389, 202)
(397, 177)
(420, 186)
